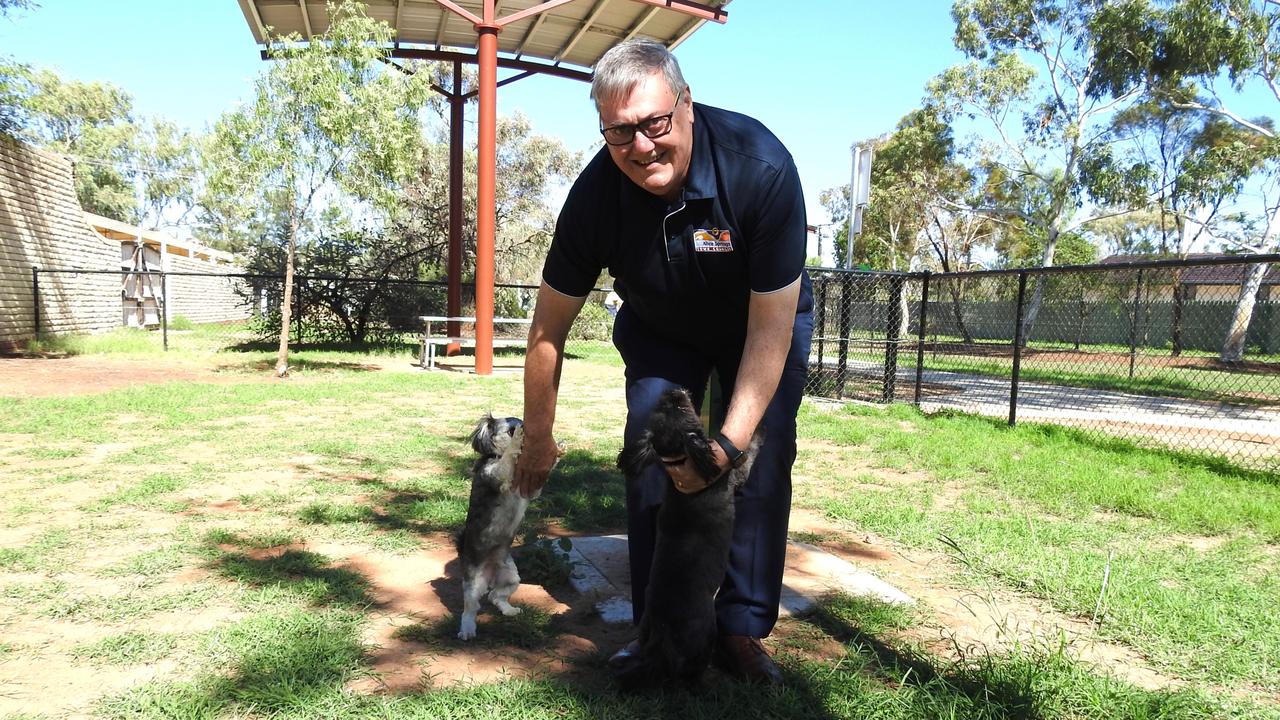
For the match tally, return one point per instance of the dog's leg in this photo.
(505, 582)
(473, 587)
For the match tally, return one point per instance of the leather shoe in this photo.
(745, 658)
(628, 651)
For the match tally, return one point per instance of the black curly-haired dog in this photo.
(694, 532)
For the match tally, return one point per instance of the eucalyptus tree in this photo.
(1197, 56)
(1029, 84)
(329, 123)
(528, 165)
(93, 123)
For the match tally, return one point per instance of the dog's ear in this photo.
(634, 457)
(482, 436)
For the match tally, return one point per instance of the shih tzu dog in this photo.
(493, 516)
(691, 552)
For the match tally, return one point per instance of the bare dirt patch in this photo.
(83, 375)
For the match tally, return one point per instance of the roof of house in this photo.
(124, 232)
(1203, 274)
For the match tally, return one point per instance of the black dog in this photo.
(678, 629)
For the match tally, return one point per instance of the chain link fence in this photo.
(1129, 350)
(1161, 352)
(211, 312)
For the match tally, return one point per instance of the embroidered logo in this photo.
(713, 240)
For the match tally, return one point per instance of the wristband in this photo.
(736, 456)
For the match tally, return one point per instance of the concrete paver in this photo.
(601, 567)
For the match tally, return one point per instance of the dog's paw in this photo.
(509, 609)
(468, 629)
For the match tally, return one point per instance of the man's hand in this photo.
(537, 456)
(685, 476)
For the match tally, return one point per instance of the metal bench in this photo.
(430, 341)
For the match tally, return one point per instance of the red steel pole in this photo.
(457, 103)
(485, 187)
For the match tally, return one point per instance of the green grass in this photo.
(294, 665)
(230, 488)
(128, 648)
(1050, 513)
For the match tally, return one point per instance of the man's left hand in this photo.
(685, 476)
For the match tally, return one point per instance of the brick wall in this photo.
(41, 224)
(203, 299)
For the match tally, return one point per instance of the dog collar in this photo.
(736, 456)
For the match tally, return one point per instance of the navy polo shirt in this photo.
(686, 269)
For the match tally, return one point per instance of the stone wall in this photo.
(42, 225)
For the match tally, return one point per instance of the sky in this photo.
(821, 75)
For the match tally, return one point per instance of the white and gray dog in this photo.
(493, 515)
(694, 532)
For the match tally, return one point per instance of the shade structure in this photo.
(556, 37)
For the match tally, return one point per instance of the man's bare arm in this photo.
(770, 319)
(552, 317)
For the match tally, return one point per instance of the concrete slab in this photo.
(601, 567)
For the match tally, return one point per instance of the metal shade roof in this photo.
(564, 34)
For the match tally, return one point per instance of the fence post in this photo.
(35, 297)
(846, 312)
(164, 310)
(1133, 324)
(924, 318)
(890, 386)
(821, 325)
(1017, 349)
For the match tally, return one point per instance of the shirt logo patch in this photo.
(713, 240)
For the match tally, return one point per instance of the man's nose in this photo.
(642, 145)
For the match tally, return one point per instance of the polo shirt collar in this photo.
(700, 183)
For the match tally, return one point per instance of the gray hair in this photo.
(630, 63)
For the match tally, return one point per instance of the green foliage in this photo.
(544, 561)
(328, 113)
(593, 323)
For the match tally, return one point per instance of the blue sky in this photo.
(820, 75)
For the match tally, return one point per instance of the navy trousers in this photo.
(747, 603)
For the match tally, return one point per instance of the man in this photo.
(698, 214)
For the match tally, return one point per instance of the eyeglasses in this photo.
(653, 128)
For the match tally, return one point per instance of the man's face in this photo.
(659, 165)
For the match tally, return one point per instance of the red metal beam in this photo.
(485, 187)
(530, 12)
(457, 103)
(509, 63)
(459, 10)
(688, 7)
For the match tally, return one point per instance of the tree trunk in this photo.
(957, 293)
(286, 304)
(1233, 345)
(1037, 297)
(1179, 296)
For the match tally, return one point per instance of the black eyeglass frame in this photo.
(643, 125)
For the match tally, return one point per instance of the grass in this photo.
(128, 648)
(1189, 551)
(238, 502)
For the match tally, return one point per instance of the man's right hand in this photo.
(537, 456)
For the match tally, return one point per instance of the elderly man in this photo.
(698, 215)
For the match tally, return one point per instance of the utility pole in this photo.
(859, 195)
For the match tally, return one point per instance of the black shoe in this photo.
(746, 659)
(628, 651)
